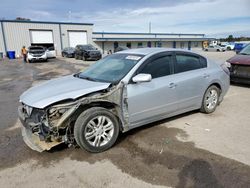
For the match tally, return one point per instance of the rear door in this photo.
(154, 99)
(191, 79)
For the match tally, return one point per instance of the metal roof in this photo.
(45, 22)
(150, 39)
(146, 51)
(124, 33)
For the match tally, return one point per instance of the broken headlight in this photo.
(56, 112)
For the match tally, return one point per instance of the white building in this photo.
(109, 41)
(17, 33)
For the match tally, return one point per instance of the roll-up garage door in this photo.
(77, 37)
(41, 37)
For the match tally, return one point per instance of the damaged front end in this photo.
(45, 128)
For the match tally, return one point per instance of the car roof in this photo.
(147, 51)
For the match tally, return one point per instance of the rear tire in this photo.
(210, 100)
(96, 129)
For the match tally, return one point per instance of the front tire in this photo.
(210, 100)
(96, 129)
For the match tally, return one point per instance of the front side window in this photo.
(158, 67)
(187, 63)
(111, 69)
(88, 47)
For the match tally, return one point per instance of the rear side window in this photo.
(158, 67)
(188, 62)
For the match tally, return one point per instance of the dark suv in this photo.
(87, 52)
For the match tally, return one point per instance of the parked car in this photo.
(215, 48)
(36, 53)
(120, 92)
(87, 52)
(239, 46)
(51, 52)
(68, 52)
(228, 45)
(120, 48)
(239, 66)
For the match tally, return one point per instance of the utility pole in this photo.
(69, 15)
(149, 27)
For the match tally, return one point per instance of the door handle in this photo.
(172, 85)
(206, 75)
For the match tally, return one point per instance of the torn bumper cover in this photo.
(32, 140)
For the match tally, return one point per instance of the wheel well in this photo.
(217, 85)
(107, 105)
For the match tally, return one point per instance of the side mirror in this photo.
(142, 78)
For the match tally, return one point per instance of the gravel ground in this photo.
(190, 150)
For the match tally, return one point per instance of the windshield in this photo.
(111, 69)
(245, 51)
(70, 49)
(36, 48)
(88, 47)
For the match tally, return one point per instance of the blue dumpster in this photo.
(11, 54)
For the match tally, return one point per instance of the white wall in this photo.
(145, 35)
(65, 28)
(18, 34)
(109, 45)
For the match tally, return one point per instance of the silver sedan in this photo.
(215, 48)
(118, 93)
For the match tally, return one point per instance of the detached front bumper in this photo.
(31, 139)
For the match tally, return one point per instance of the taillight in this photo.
(225, 67)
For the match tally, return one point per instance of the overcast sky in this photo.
(217, 18)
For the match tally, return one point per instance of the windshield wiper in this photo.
(244, 54)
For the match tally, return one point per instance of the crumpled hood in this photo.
(67, 87)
